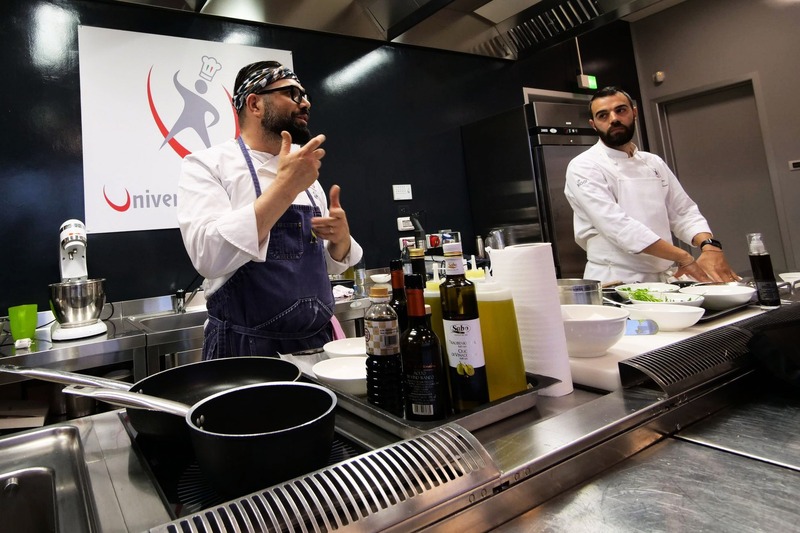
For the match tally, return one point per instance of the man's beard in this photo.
(275, 124)
(618, 138)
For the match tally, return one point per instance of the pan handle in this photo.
(65, 378)
(129, 399)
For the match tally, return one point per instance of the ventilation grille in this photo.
(366, 493)
(678, 367)
(542, 25)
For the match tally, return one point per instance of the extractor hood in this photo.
(508, 29)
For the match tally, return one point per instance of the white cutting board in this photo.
(603, 373)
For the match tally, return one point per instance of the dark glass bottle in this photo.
(398, 300)
(427, 395)
(462, 331)
(763, 275)
(384, 364)
(418, 263)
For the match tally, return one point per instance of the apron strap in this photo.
(249, 165)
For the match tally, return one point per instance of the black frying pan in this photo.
(187, 384)
(250, 437)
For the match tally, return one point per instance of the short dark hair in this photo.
(608, 91)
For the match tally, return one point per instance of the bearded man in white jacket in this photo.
(257, 225)
(627, 205)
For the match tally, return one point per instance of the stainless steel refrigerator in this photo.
(516, 165)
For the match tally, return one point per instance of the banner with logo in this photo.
(146, 102)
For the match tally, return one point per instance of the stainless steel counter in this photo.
(126, 498)
(737, 470)
(621, 441)
(123, 342)
(675, 484)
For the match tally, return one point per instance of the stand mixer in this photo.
(77, 301)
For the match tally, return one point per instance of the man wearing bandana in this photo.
(256, 224)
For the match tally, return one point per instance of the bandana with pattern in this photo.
(258, 80)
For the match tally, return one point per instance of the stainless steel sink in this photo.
(170, 322)
(172, 338)
(32, 464)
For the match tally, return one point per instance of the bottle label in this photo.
(464, 345)
(422, 410)
(767, 292)
(454, 265)
(382, 337)
(424, 385)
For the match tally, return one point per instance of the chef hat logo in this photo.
(210, 67)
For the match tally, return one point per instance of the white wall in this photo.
(709, 43)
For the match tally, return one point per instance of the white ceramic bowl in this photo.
(673, 298)
(380, 278)
(720, 297)
(354, 346)
(626, 290)
(347, 374)
(592, 329)
(669, 317)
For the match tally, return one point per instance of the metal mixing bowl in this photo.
(579, 292)
(77, 303)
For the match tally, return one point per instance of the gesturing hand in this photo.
(300, 168)
(334, 227)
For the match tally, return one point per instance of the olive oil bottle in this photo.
(462, 332)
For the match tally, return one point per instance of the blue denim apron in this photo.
(282, 305)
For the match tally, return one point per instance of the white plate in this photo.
(790, 277)
(719, 297)
(380, 278)
(668, 317)
(672, 298)
(625, 290)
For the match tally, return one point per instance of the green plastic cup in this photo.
(23, 321)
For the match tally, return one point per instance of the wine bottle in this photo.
(427, 395)
(384, 365)
(418, 263)
(462, 331)
(398, 300)
(433, 298)
(763, 275)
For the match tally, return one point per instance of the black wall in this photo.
(401, 125)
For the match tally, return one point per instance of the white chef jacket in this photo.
(624, 204)
(216, 215)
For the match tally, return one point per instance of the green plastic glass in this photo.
(23, 321)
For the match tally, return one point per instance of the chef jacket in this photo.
(216, 215)
(624, 204)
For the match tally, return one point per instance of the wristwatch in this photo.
(712, 242)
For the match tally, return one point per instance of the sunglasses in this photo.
(295, 93)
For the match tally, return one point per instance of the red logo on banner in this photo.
(118, 207)
(193, 114)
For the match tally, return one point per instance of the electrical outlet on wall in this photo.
(404, 224)
(407, 242)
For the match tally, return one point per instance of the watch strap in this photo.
(712, 242)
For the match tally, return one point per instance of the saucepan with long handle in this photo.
(186, 384)
(250, 437)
